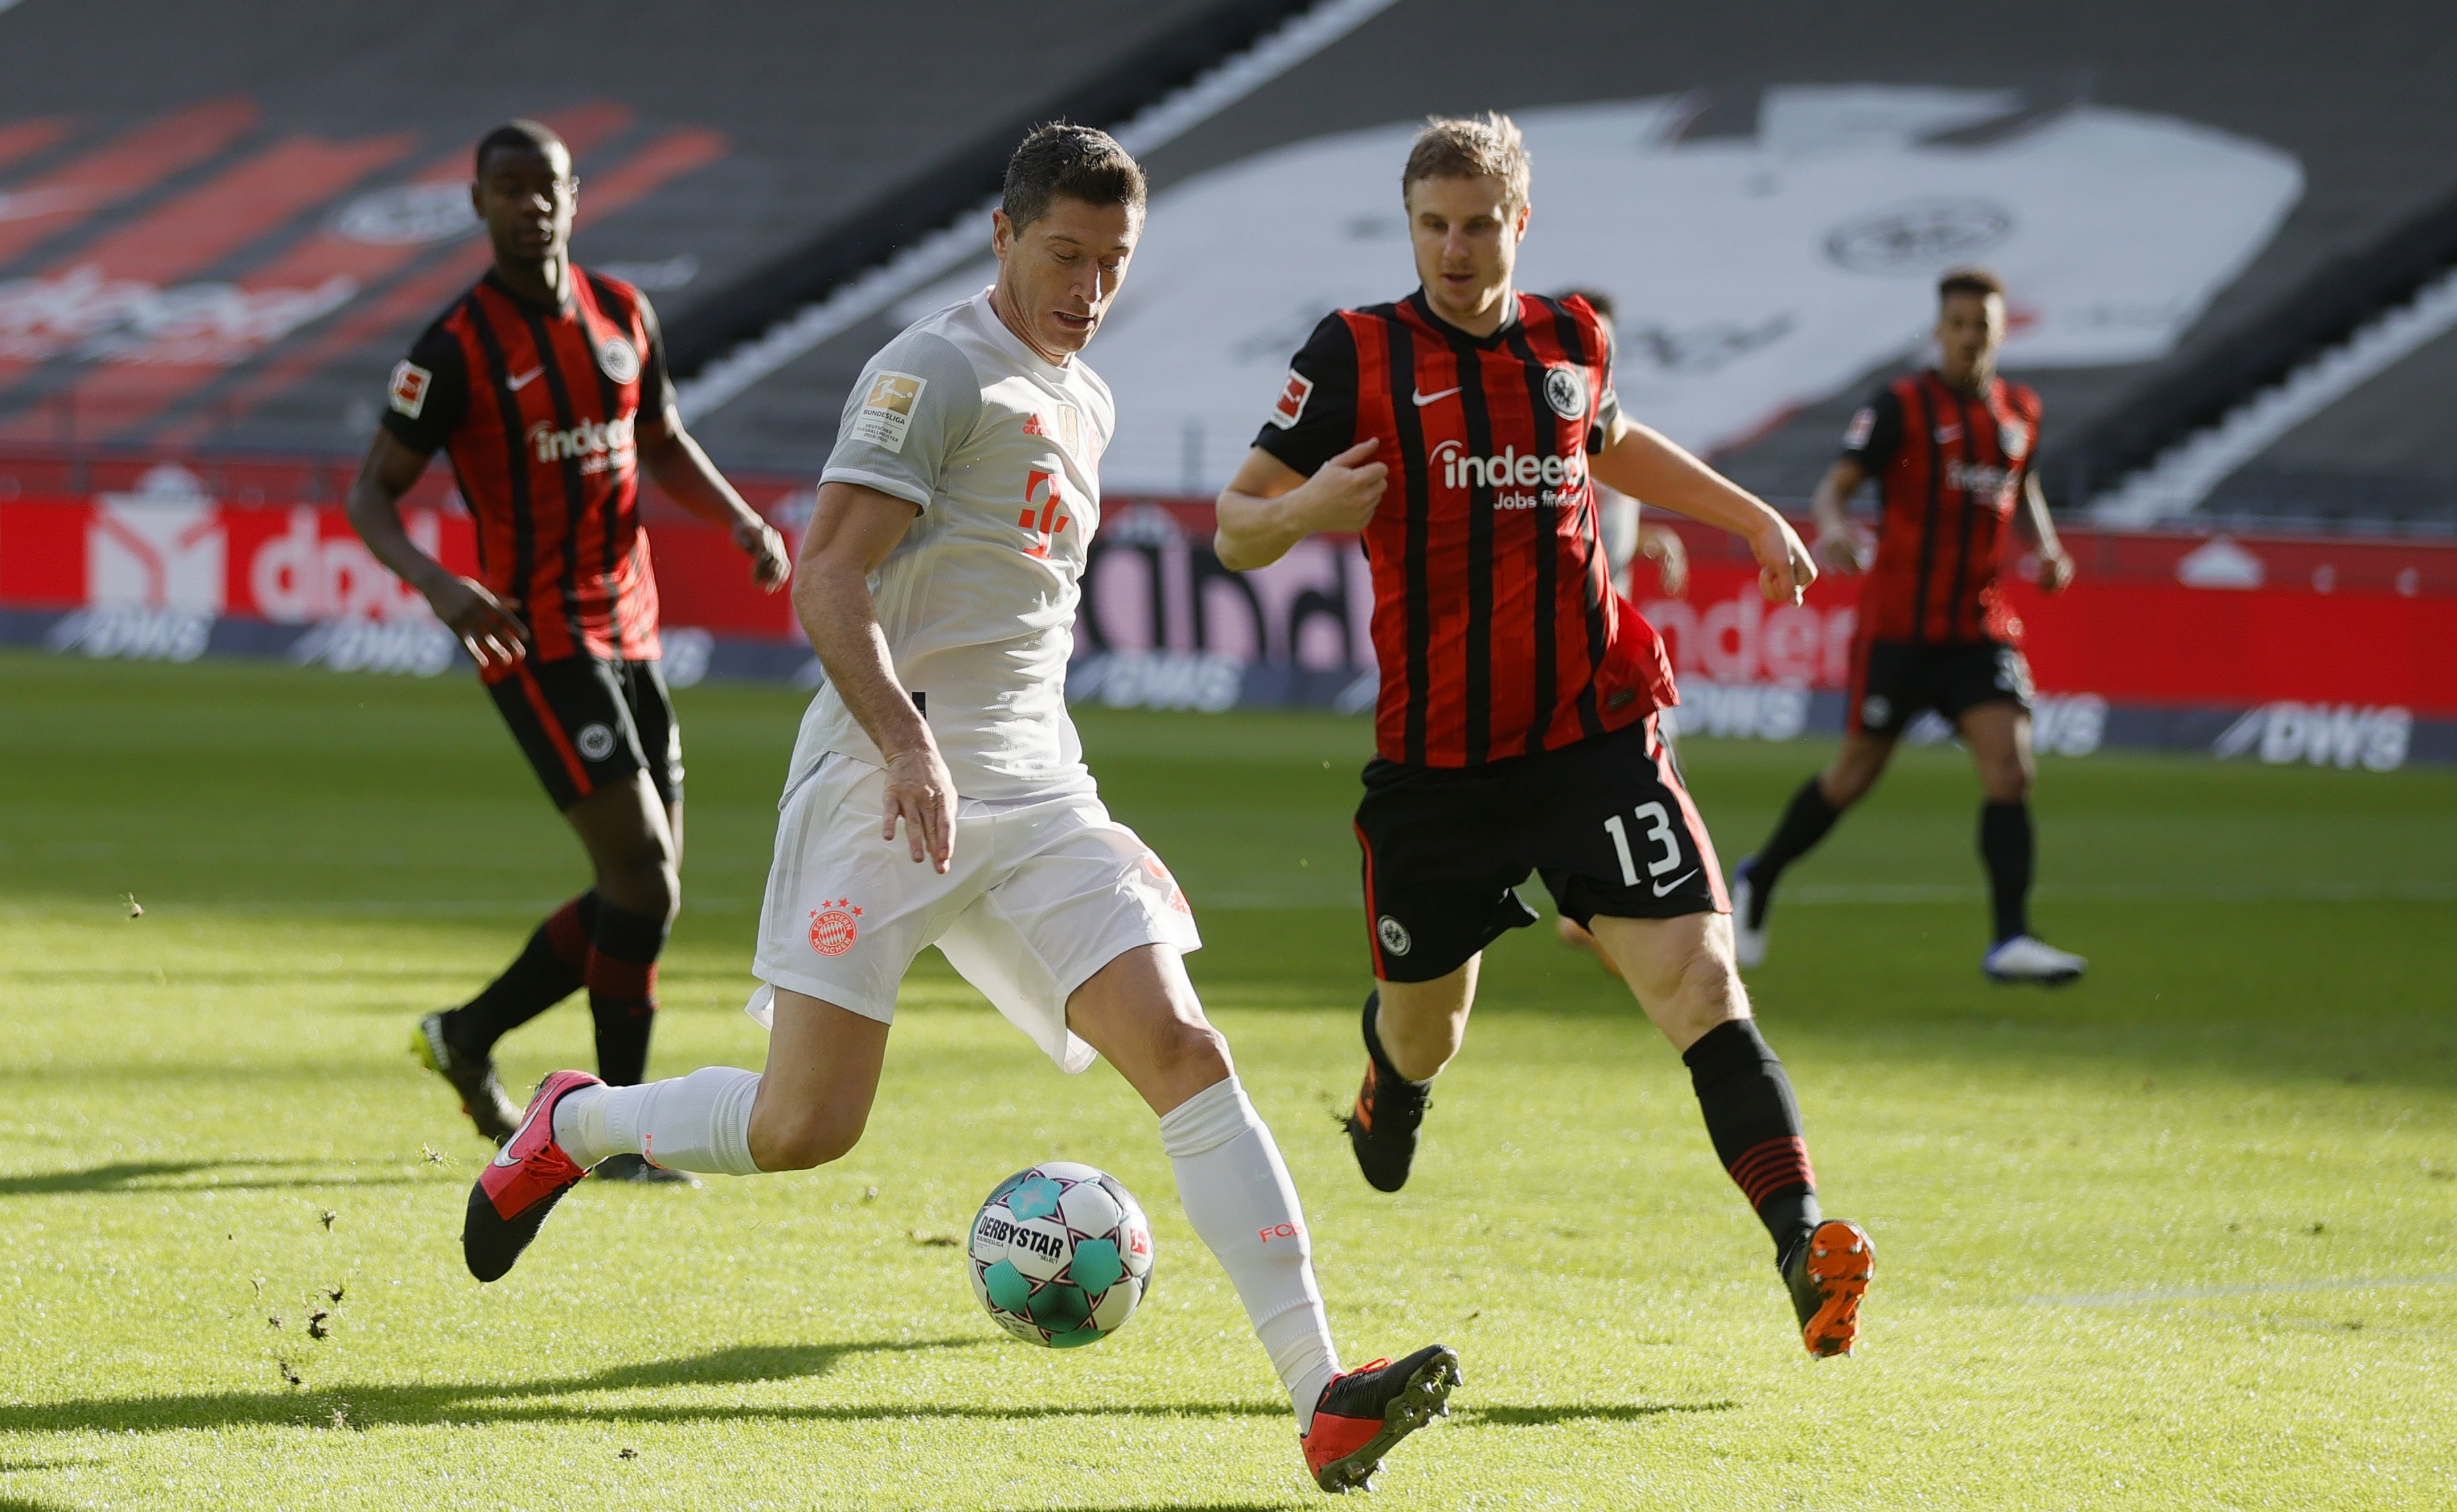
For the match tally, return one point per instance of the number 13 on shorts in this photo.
(1658, 834)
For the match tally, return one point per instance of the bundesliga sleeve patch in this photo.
(886, 413)
(1290, 406)
(409, 386)
(1863, 424)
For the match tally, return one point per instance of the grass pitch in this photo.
(2182, 1235)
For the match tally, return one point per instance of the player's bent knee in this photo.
(1185, 1045)
(650, 887)
(1697, 989)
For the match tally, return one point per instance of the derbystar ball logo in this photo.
(594, 443)
(1562, 480)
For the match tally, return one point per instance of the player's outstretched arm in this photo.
(2056, 565)
(1840, 548)
(487, 627)
(691, 480)
(1269, 506)
(1645, 464)
(853, 528)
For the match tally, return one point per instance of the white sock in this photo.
(700, 1122)
(1239, 1198)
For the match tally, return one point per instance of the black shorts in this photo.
(1894, 681)
(1606, 822)
(584, 723)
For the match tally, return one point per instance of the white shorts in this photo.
(1043, 893)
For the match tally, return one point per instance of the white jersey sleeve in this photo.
(915, 405)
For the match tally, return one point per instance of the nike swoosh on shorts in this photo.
(1661, 888)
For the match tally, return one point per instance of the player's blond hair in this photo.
(1485, 145)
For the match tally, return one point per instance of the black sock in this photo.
(2005, 845)
(1805, 822)
(622, 976)
(1755, 1123)
(547, 971)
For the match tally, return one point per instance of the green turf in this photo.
(210, 1121)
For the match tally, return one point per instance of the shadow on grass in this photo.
(538, 1400)
(1583, 1412)
(162, 1176)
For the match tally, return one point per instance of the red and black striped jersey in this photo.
(1949, 469)
(1495, 623)
(539, 408)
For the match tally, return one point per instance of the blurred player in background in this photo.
(1952, 449)
(939, 582)
(1456, 430)
(1627, 533)
(548, 388)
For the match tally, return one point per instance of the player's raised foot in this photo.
(1363, 1412)
(636, 1167)
(522, 1185)
(2023, 959)
(1389, 1108)
(473, 1076)
(1749, 925)
(1828, 1273)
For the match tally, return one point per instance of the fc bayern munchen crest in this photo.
(618, 359)
(833, 928)
(1566, 391)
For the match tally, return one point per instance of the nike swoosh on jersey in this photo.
(1662, 888)
(516, 385)
(1423, 399)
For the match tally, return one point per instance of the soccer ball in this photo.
(1060, 1255)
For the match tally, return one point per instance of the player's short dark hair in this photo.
(523, 135)
(1596, 300)
(1978, 281)
(1074, 162)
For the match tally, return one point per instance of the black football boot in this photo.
(1382, 1127)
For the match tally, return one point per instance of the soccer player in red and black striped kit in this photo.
(1459, 429)
(1952, 450)
(546, 386)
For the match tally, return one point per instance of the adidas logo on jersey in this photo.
(596, 444)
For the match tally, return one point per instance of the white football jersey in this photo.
(1001, 452)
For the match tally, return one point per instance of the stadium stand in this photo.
(2379, 456)
(214, 245)
(2351, 97)
(213, 239)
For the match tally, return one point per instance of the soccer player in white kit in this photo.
(939, 581)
